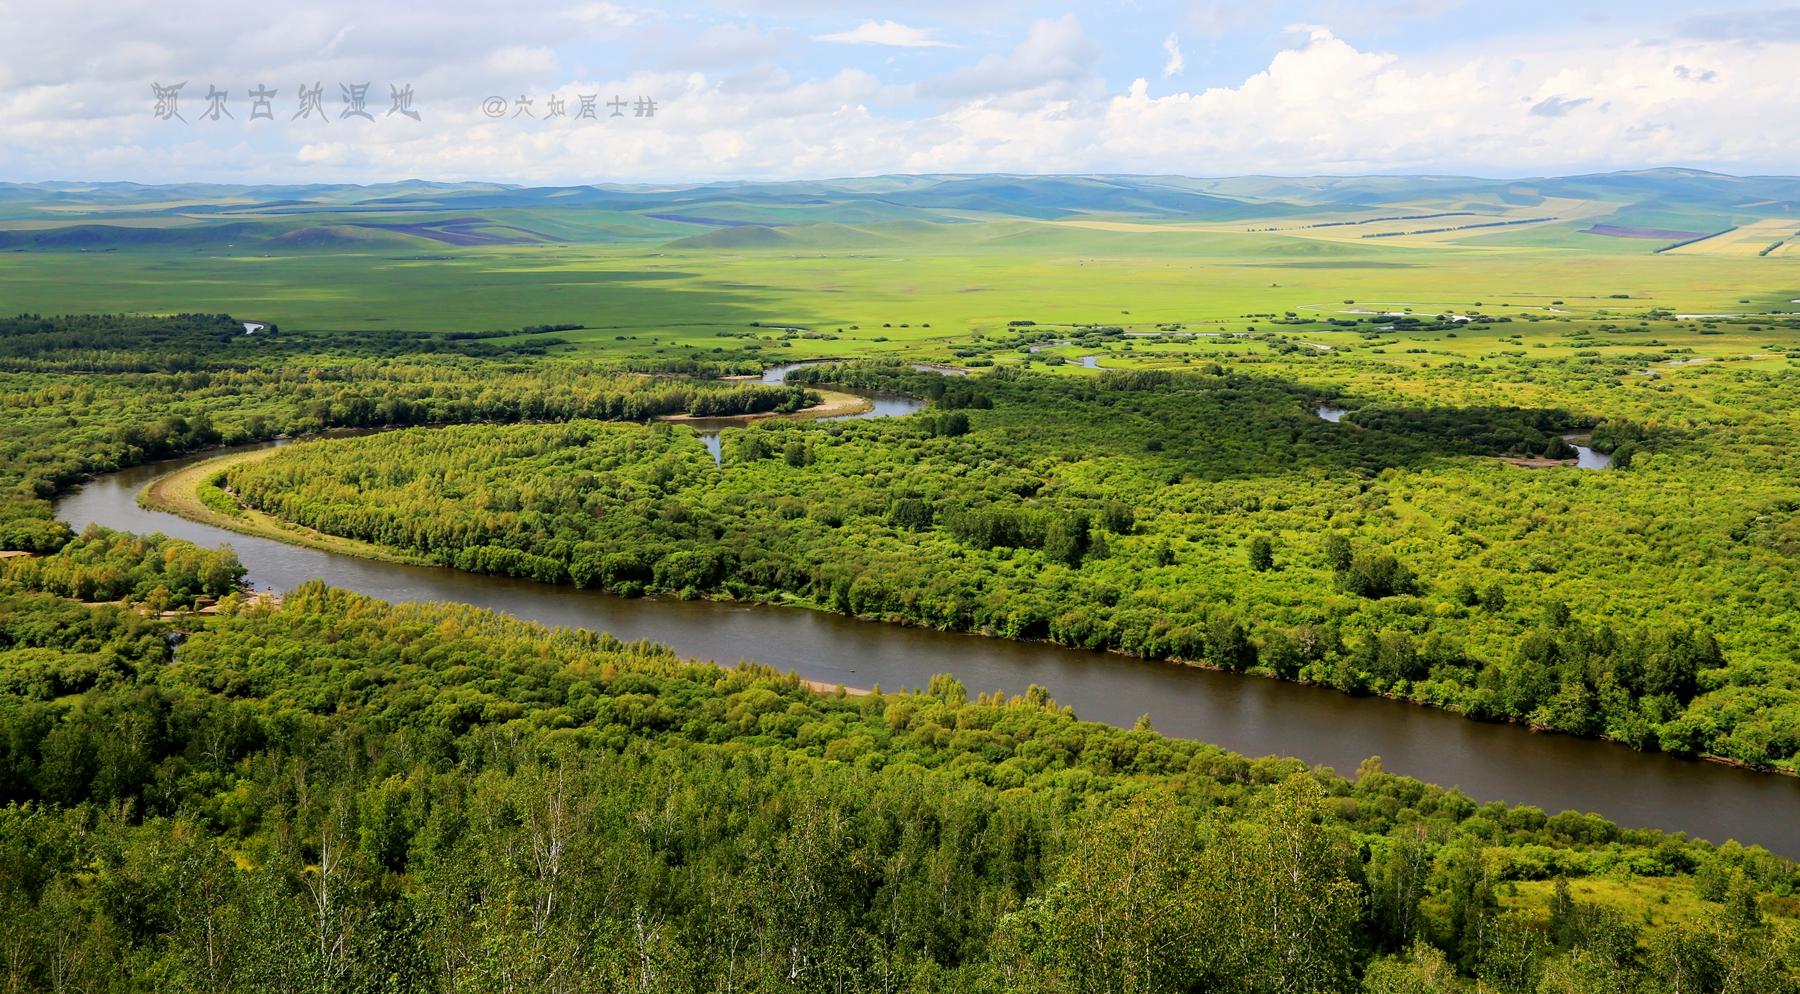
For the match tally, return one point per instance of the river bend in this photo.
(1252, 716)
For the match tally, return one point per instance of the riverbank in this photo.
(1255, 717)
(178, 494)
(834, 405)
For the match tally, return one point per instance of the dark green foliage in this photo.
(1369, 574)
(1117, 517)
(1262, 553)
(185, 342)
(911, 514)
(988, 529)
(950, 425)
(1478, 430)
(1066, 537)
(1338, 553)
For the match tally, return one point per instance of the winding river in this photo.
(1252, 716)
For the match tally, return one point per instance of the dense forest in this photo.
(336, 794)
(1205, 517)
(329, 793)
(120, 343)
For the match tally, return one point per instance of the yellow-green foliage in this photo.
(105, 565)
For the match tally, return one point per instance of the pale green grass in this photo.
(959, 280)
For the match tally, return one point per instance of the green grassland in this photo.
(943, 292)
(862, 266)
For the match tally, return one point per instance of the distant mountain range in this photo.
(87, 215)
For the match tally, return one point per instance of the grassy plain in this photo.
(924, 290)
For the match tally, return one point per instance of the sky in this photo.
(461, 90)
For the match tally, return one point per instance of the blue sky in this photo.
(771, 89)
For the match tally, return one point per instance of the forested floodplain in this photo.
(1204, 516)
(91, 394)
(334, 793)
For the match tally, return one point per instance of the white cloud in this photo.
(75, 100)
(885, 33)
(1172, 45)
(336, 40)
(1327, 106)
(1055, 62)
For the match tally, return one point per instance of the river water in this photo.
(1248, 715)
(881, 405)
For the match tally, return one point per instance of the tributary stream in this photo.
(1253, 716)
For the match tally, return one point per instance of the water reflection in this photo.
(881, 405)
(1587, 457)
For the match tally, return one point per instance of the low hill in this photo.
(745, 236)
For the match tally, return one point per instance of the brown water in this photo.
(1252, 716)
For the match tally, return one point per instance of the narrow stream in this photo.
(1587, 457)
(885, 405)
(1252, 716)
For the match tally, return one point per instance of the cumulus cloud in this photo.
(885, 33)
(75, 101)
(1326, 105)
